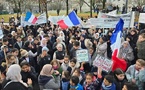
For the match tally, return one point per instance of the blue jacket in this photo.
(78, 87)
(112, 87)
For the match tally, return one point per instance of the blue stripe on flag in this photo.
(119, 27)
(28, 15)
(74, 19)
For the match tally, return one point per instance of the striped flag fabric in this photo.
(30, 18)
(71, 20)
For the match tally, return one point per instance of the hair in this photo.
(5, 40)
(59, 45)
(76, 43)
(75, 80)
(131, 86)
(14, 50)
(143, 35)
(18, 37)
(109, 78)
(66, 56)
(118, 71)
(9, 56)
(24, 63)
(53, 61)
(141, 61)
(73, 60)
(45, 36)
(67, 75)
(78, 70)
(90, 74)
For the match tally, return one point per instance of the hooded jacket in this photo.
(48, 82)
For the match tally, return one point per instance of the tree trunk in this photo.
(15, 3)
(80, 9)
(39, 7)
(67, 8)
(90, 8)
(104, 1)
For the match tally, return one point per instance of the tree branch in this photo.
(86, 3)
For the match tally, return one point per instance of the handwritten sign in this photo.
(82, 55)
(103, 62)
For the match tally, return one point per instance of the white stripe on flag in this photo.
(31, 18)
(67, 21)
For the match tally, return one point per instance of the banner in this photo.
(142, 18)
(1, 33)
(105, 15)
(103, 62)
(55, 19)
(41, 19)
(82, 55)
(109, 22)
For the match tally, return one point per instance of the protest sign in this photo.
(103, 62)
(142, 18)
(1, 33)
(82, 55)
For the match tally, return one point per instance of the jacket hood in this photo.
(111, 87)
(42, 80)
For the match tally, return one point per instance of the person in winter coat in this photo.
(90, 83)
(140, 79)
(43, 58)
(65, 80)
(108, 83)
(126, 52)
(28, 72)
(74, 83)
(46, 80)
(101, 48)
(140, 46)
(65, 63)
(130, 86)
(59, 53)
(14, 81)
(119, 78)
(134, 73)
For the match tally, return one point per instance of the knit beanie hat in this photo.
(45, 49)
(23, 52)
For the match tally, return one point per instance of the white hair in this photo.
(59, 45)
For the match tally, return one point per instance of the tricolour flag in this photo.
(115, 46)
(70, 20)
(116, 36)
(30, 18)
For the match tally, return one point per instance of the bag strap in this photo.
(7, 84)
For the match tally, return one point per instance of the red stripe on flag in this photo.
(34, 20)
(118, 63)
(62, 24)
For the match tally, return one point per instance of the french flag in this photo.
(70, 20)
(115, 46)
(30, 18)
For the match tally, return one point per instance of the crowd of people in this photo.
(43, 57)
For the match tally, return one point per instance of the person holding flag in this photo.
(115, 46)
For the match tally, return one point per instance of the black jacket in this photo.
(8, 85)
(32, 75)
(43, 61)
(17, 46)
